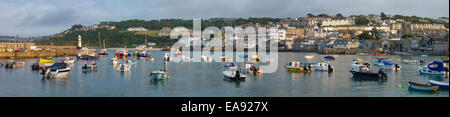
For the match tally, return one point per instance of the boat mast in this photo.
(99, 42)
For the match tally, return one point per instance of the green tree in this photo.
(361, 21)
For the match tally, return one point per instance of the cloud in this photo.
(46, 17)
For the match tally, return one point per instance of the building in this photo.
(343, 22)
(15, 46)
(164, 32)
(131, 29)
(346, 43)
(427, 27)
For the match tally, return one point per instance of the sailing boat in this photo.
(104, 51)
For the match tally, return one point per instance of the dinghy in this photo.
(441, 85)
(422, 87)
(233, 75)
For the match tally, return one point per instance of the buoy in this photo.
(182, 63)
(399, 86)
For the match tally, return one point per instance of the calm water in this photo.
(206, 79)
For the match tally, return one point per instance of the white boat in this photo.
(322, 66)
(434, 68)
(124, 67)
(410, 61)
(57, 70)
(251, 68)
(233, 75)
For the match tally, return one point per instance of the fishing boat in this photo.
(422, 87)
(124, 67)
(87, 54)
(226, 59)
(141, 54)
(91, 67)
(330, 58)
(363, 70)
(159, 75)
(295, 66)
(322, 66)
(250, 67)
(46, 60)
(442, 85)
(434, 68)
(121, 53)
(103, 52)
(56, 70)
(115, 61)
(14, 64)
(233, 75)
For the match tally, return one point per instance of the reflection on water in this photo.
(206, 79)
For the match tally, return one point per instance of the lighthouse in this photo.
(79, 41)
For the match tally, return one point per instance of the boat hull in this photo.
(299, 70)
(422, 88)
(441, 85)
(366, 74)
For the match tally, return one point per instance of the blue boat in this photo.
(434, 68)
(422, 87)
(86, 57)
(159, 75)
(90, 67)
(243, 56)
(329, 57)
(441, 85)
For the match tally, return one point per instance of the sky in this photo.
(28, 18)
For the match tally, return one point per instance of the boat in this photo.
(103, 52)
(226, 59)
(141, 54)
(39, 66)
(243, 56)
(91, 67)
(132, 62)
(167, 57)
(121, 53)
(56, 70)
(330, 58)
(410, 61)
(124, 67)
(159, 75)
(87, 54)
(309, 57)
(386, 64)
(14, 64)
(230, 66)
(46, 60)
(322, 66)
(295, 66)
(1, 64)
(441, 85)
(69, 60)
(233, 75)
(434, 68)
(362, 70)
(115, 61)
(250, 67)
(206, 59)
(422, 87)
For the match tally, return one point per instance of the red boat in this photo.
(121, 53)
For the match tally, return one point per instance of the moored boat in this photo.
(434, 68)
(103, 52)
(329, 58)
(121, 53)
(124, 67)
(295, 66)
(46, 60)
(91, 67)
(233, 75)
(362, 70)
(159, 75)
(422, 87)
(441, 85)
(322, 66)
(115, 61)
(56, 70)
(251, 68)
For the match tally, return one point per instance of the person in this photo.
(238, 75)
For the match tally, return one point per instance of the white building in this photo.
(346, 43)
(136, 29)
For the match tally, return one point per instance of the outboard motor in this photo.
(238, 75)
(330, 68)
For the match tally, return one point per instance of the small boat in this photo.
(115, 61)
(295, 66)
(103, 52)
(141, 54)
(251, 68)
(410, 61)
(243, 56)
(132, 62)
(38, 66)
(14, 64)
(124, 67)
(434, 68)
(207, 59)
(1, 64)
(422, 87)
(56, 70)
(442, 85)
(363, 70)
(159, 75)
(423, 55)
(322, 66)
(46, 60)
(230, 66)
(330, 58)
(226, 59)
(309, 57)
(92, 67)
(233, 75)
(87, 54)
(121, 53)
(69, 60)
(386, 64)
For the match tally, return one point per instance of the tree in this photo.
(310, 15)
(339, 16)
(405, 36)
(365, 35)
(375, 34)
(76, 27)
(383, 16)
(361, 21)
(323, 15)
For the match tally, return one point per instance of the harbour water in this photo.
(197, 79)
